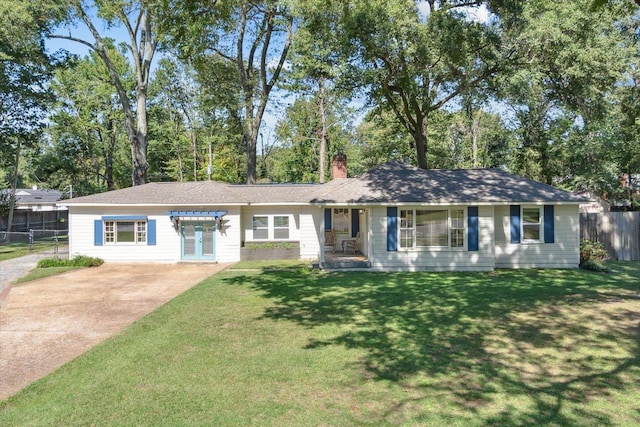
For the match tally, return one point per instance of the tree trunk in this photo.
(251, 142)
(139, 143)
(142, 51)
(194, 146)
(14, 185)
(108, 166)
(474, 120)
(420, 139)
(323, 135)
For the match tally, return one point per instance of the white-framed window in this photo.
(260, 227)
(531, 224)
(341, 221)
(407, 230)
(432, 228)
(457, 229)
(116, 232)
(271, 227)
(281, 227)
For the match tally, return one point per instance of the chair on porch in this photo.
(352, 245)
(330, 240)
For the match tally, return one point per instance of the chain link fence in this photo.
(55, 242)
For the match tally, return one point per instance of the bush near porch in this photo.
(258, 251)
(298, 347)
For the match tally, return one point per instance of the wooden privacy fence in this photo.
(619, 233)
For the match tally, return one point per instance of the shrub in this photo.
(597, 266)
(79, 261)
(86, 261)
(592, 256)
(52, 262)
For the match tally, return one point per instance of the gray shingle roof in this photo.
(29, 196)
(390, 183)
(396, 182)
(201, 193)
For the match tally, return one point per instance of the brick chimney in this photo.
(339, 166)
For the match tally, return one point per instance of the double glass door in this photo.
(198, 240)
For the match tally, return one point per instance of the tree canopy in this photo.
(257, 91)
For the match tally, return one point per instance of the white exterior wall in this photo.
(250, 211)
(228, 237)
(304, 226)
(168, 240)
(310, 231)
(437, 259)
(563, 253)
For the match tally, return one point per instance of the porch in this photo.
(341, 260)
(344, 245)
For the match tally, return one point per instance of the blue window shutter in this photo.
(151, 232)
(548, 224)
(473, 243)
(515, 223)
(392, 229)
(97, 232)
(355, 222)
(327, 219)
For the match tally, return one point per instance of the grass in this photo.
(291, 347)
(41, 273)
(15, 250)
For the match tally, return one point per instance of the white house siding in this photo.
(228, 236)
(431, 259)
(563, 253)
(250, 211)
(310, 231)
(304, 226)
(168, 239)
(81, 236)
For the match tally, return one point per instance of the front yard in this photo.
(299, 347)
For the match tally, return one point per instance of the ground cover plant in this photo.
(293, 346)
(78, 261)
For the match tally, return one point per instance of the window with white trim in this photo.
(531, 224)
(407, 230)
(457, 228)
(260, 227)
(281, 227)
(432, 228)
(125, 232)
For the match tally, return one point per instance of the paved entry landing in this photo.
(45, 323)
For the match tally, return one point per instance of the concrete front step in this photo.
(346, 264)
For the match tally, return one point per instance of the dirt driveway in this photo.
(45, 323)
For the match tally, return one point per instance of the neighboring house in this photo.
(403, 218)
(36, 209)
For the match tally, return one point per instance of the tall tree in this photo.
(252, 36)
(87, 147)
(316, 71)
(574, 59)
(301, 135)
(137, 19)
(25, 69)
(417, 57)
(174, 99)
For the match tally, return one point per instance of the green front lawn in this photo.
(298, 347)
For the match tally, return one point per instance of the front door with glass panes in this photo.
(199, 240)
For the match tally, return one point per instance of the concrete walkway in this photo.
(48, 322)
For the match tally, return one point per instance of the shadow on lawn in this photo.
(540, 337)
